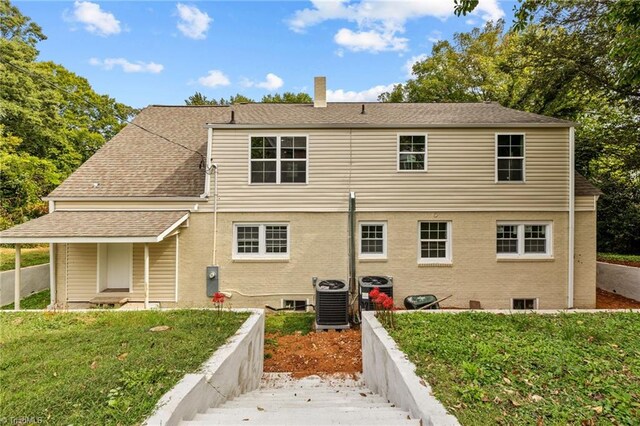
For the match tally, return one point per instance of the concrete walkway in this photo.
(281, 400)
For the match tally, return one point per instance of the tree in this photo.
(288, 98)
(51, 121)
(285, 98)
(574, 60)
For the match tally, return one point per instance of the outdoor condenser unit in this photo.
(367, 283)
(332, 305)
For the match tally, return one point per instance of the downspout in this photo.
(570, 275)
(215, 213)
(352, 242)
(207, 169)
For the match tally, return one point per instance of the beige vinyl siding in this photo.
(78, 269)
(460, 172)
(162, 271)
(81, 271)
(586, 203)
(328, 157)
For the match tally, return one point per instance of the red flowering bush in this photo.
(218, 300)
(383, 306)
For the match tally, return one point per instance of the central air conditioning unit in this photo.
(332, 305)
(368, 283)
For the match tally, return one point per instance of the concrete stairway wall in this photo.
(281, 400)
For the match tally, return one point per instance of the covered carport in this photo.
(113, 231)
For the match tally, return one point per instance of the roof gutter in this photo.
(386, 126)
(107, 198)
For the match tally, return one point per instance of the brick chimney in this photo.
(320, 92)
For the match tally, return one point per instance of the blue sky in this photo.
(148, 52)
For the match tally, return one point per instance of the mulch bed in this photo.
(607, 300)
(322, 353)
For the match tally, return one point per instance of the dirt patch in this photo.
(321, 353)
(607, 300)
(620, 262)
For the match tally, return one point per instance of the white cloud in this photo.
(435, 36)
(369, 95)
(138, 66)
(193, 22)
(379, 21)
(215, 78)
(371, 41)
(408, 66)
(271, 82)
(95, 19)
(470, 21)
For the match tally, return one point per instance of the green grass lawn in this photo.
(38, 300)
(528, 369)
(101, 367)
(29, 257)
(618, 257)
(289, 323)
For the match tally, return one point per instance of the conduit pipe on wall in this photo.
(572, 214)
(352, 242)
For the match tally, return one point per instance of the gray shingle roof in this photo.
(137, 163)
(385, 114)
(95, 224)
(584, 187)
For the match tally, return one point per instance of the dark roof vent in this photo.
(233, 117)
(362, 112)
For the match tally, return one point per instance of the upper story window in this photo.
(373, 240)
(261, 240)
(278, 159)
(435, 242)
(531, 240)
(510, 158)
(412, 153)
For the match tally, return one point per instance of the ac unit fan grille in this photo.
(332, 308)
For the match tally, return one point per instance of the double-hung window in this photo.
(373, 240)
(532, 240)
(510, 158)
(278, 159)
(263, 240)
(434, 242)
(412, 153)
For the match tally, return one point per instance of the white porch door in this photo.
(118, 271)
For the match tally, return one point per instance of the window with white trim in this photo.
(524, 304)
(373, 240)
(523, 239)
(412, 153)
(264, 240)
(435, 242)
(278, 159)
(510, 158)
(295, 305)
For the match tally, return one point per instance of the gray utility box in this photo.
(212, 280)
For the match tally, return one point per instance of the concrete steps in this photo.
(282, 400)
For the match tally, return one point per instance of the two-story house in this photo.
(469, 199)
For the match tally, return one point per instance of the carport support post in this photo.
(146, 275)
(16, 296)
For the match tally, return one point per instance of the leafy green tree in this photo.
(200, 99)
(51, 120)
(288, 98)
